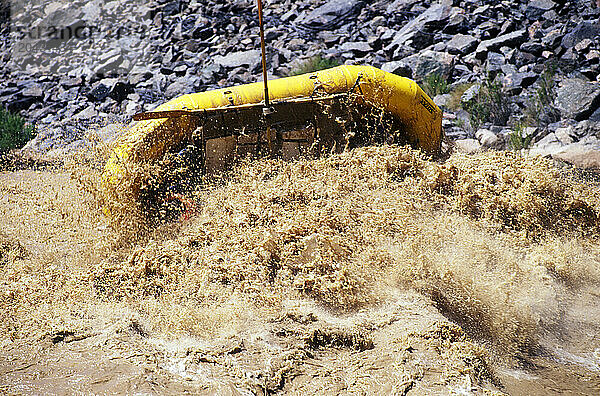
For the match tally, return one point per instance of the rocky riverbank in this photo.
(513, 74)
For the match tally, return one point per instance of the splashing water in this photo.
(475, 273)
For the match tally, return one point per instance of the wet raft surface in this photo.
(371, 271)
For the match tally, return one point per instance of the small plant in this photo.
(518, 140)
(314, 63)
(435, 84)
(459, 122)
(14, 132)
(456, 94)
(490, 105)
(541, 101)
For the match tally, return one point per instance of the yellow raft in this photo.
(148, 140)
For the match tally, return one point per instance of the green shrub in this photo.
(314, 63)
(543, 98)
(14, 132)
(490, 105)
(435, 84)
(517, 139)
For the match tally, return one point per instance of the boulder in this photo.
(486, 137)
(32, 89)
(583, 154)
(429, 62)
(330, 15)
(88, 113)
(583, 30)
(108, 61)
(415, 30)
(360, 48)
(442, 100)
(99, 92)
(397, 67)
(577, 98)
(511, 40)
(399, 5)
(237, 59)
(532, 47)
(553, 38)
(179, 87)
(109, 87)
(515, 82)
(495, 61)
(462, 44)
(565, 135)
(537, 8)
(547, 146)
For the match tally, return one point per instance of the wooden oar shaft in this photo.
(262, 47)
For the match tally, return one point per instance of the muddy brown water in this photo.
(376, 271)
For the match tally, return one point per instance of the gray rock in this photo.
(397, 67)
(515, 82)
(463, 120)
(414, 31)
(578, 98)
(330, 15)
(237, 59)
(470, 94)
(65, 17)
(583, 154)
(110, 87)
(532, 47)
(99, 92)
(584, 30)
(442, 100)
(457, 23)
(33, 90)
(553, 38)
(400, 5)
(360, 48)
(587, 128)
(171, 8)
(495, 61)
(289, 15)
(510, 40)
(583, 46)
(595, 115)
(108, 62)
(69, 82)
(565, 135)
(91, 11)
(429, 62)
(536, 8)
(178, 87)
(547, 146)
(132, 107)
(330, 38)
(68, 95)
(462, 44)
(455, 133)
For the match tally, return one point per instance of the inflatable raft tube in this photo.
(149, 140)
